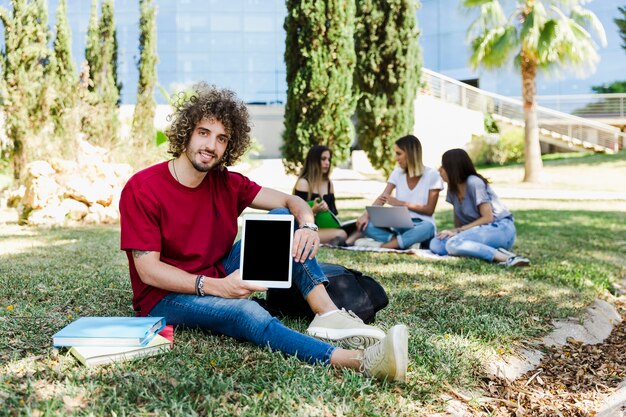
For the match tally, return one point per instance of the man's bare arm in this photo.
(161, 275)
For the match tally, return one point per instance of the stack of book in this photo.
(100, 340)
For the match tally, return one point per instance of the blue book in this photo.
(109, 331)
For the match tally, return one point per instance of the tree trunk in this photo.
(19, 159)
(533, 166)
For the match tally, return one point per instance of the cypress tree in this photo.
(320, 60)
(386, 75)
(92, 44)
(64, 80)
(105, 77)
(101, 124)
(143, 130)
(23, 82)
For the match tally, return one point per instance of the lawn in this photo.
(457, 313)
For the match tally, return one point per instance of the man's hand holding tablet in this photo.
(266, 249)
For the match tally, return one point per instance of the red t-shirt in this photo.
(192, 228)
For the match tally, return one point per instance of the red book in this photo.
(168, 333)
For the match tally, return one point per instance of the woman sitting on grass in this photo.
(314, 184)
(417, 188)
(484, 227)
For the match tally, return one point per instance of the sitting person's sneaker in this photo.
(516, 261)
(346, 328)
(388, 359)
(337, 241)
(368, 242)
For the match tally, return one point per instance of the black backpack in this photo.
(348, 288)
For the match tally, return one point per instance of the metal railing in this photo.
(602, 106)
(554, 126)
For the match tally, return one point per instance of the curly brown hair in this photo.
(212, 103)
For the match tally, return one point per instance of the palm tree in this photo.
(543, 35)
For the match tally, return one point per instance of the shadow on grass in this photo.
(457, 312)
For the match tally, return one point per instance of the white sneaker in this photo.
(505, 252)
(389, 358)
(516, 261)
(368, 242)
(345, 327)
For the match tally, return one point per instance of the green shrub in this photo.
(510, 147)
(481, 148)
(492, 149)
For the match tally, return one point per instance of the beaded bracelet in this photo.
(200, 285)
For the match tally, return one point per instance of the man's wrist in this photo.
(309, 225)
(200, 285)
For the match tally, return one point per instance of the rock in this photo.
(102, 215)
(596, 326)
(48, 216)
(75, 209)
(40, 192)
(90, 193)
(512, 367)
(14, 197)
(38, 169)
(62, 192)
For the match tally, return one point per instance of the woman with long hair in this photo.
(314, 185)
(484, 227)
(416, 187)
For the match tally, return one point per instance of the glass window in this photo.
(226, 6)
(258, 23)
(259, 42)
(428, 18)
(259, 62)
(231, 80)
(225, 22)
(187, 22)
(261, 82)
(453, 52)
(259, 5)
(226, 61)
(226, 41)
(166, 42)
(430, 51)
(193, 41)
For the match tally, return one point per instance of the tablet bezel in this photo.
(288, 218)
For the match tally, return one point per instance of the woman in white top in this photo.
(417, 188)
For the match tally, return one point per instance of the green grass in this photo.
(457, 312)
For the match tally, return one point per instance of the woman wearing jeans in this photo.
(484, 226)
(417, 188)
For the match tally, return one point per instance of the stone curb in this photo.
(615, 404)
(595, 326)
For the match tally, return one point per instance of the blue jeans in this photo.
(478, 242)
(420, 232)
(245, 319)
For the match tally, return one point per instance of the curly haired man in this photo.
(178, 226)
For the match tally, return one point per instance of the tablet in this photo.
(389, 216)
(266, 249)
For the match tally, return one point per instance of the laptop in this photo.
(389, 216)
(266, 241)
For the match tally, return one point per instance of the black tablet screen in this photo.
(267, 251)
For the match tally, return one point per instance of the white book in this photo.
(100, 355)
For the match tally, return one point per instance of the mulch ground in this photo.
(572, 380)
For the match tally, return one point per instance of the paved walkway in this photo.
(351, 183)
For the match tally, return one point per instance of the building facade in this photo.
(240, 44)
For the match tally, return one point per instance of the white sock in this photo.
(328, 313)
